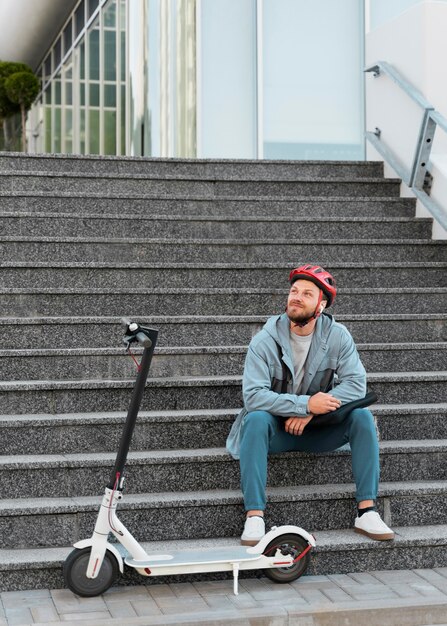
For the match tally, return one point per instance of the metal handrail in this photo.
(400, 81)
(416, 176)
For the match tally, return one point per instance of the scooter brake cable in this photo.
(134, 359)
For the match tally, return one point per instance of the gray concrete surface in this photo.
(406, 597)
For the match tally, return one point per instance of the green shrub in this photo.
(18, 90)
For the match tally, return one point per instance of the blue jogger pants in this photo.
(263, 433)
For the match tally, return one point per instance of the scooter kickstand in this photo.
(235, 578)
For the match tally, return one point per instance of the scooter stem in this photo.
(134, 407)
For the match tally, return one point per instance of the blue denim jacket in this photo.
(332, 348)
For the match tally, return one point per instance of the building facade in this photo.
(82, 107)
(279, 79)
(204, 78)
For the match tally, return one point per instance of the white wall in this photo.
(381, 11)
(415, 43)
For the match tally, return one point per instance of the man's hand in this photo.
(323, 403)
(296, 425)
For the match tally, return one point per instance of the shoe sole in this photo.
(376, 536)
(250, 542)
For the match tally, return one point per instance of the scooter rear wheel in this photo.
(75, 568)
(288, 544)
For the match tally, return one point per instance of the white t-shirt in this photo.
(300, 349)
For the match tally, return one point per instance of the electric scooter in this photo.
(95, 564)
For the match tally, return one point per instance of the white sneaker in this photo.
(372, 525)
(254, 530)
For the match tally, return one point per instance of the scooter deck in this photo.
(196, 557)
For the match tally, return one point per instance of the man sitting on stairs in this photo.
(289, 375)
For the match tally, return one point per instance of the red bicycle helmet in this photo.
(319, 276)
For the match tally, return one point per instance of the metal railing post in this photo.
(423, 150)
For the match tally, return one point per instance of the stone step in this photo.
(184, 410)
(150, 186)
(193, 227)
(86, 332)
(176, 275)
(115, 363)
(210, 392)
(188, 429)
(337, 552)
(51, 522)
(231, 169)
(162, 471)
(203, 301)
(100, 432)
(99, 204)
(321, 251)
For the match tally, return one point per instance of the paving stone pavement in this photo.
(396, 597)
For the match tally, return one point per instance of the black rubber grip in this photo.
(143, 339)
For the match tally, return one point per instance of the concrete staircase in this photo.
(201, 250)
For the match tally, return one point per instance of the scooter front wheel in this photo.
(292, 545)
(75, 568)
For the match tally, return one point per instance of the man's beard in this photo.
(298, 318)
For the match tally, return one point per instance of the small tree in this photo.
(7, 108)
(22, 89)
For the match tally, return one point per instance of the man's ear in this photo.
(323, 305)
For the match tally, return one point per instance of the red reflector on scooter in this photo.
(148, 571)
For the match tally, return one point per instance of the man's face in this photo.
(302, 300)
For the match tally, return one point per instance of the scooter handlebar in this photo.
(135, 333)
(143, 339)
